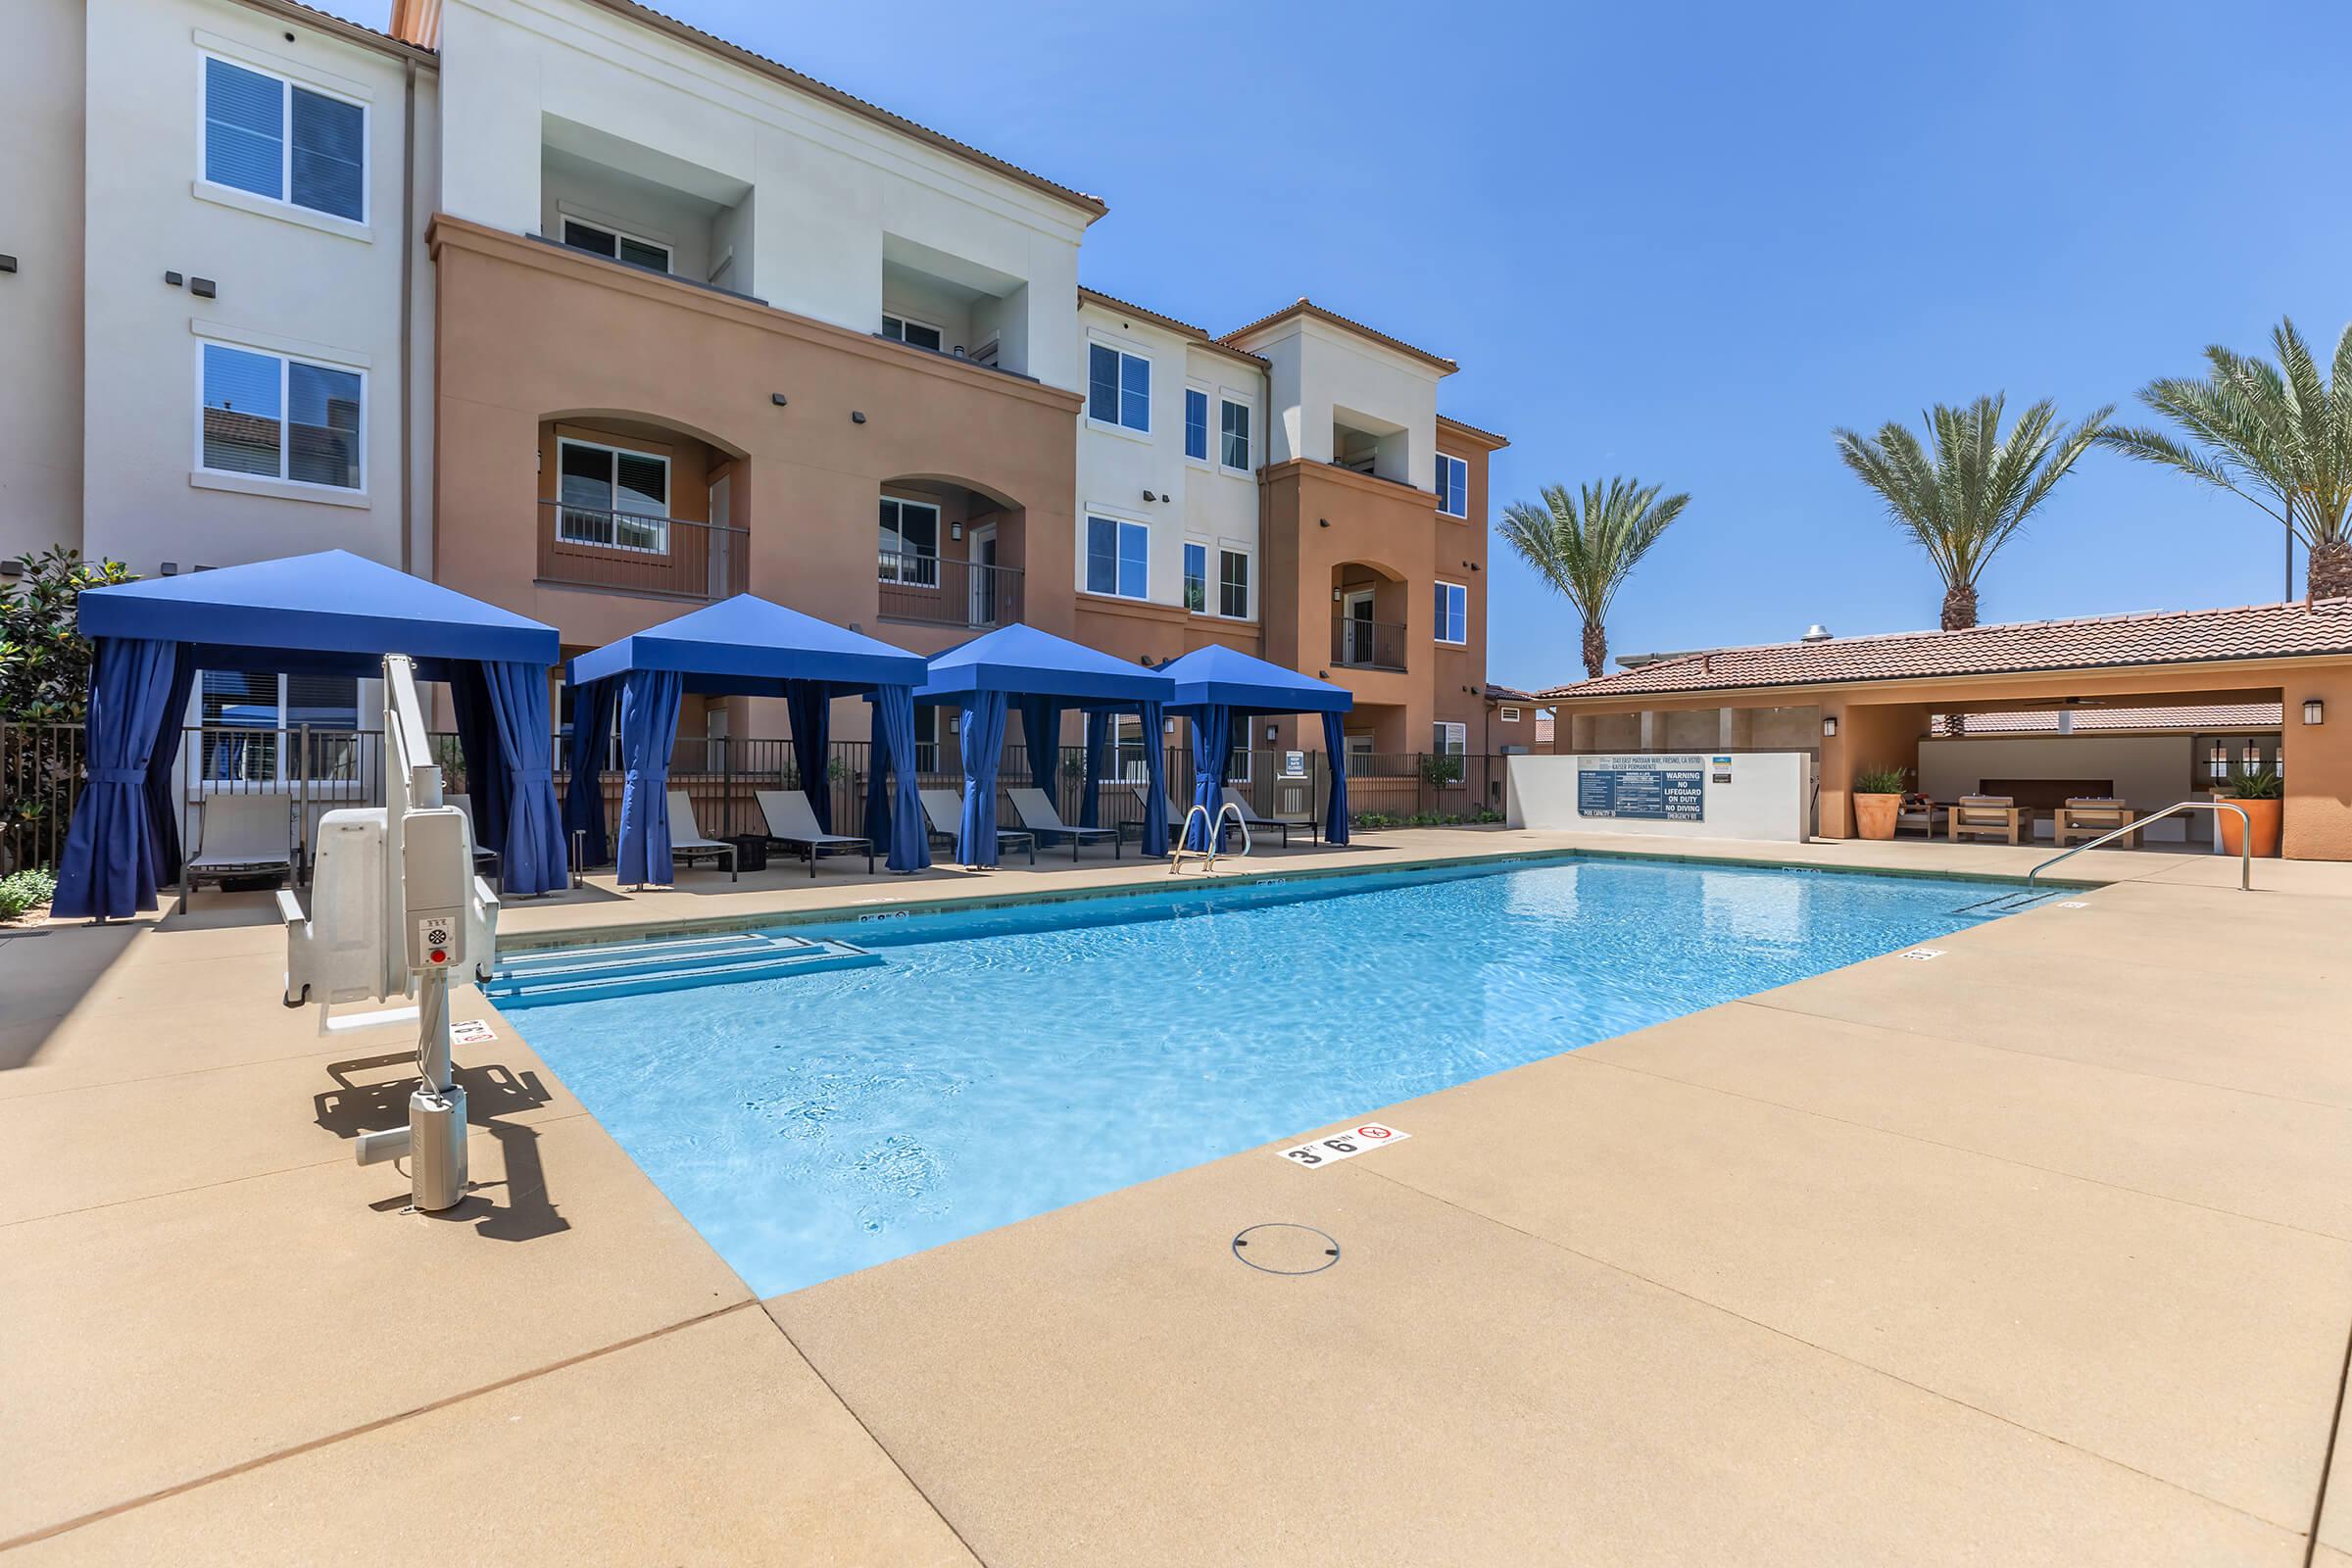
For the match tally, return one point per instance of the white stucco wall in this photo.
(1322, 371)
(829, 188)
(286, 281)
(1769, 796)
(40, 303)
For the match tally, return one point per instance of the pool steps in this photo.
(584, 974)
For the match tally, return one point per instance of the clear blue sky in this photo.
(1683, 242)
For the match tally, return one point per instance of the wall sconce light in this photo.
(1271, 732)
(2315, 711)
(857, 418)
(1829, 727)
(1148, 496)
(776, 398)
(1322, 523)
(954, 531)
(955, 723)
(1334, 596)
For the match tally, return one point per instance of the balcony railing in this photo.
(1366, 644)
(938, 592)
(635, 553)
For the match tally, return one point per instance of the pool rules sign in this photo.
(1657, 788)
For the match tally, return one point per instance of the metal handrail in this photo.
(2245, 839)
(1213, 830)
(1216, 835)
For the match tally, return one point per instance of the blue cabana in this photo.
(1216, 686)
(1044, 675)
(332, 613)
(746, 647)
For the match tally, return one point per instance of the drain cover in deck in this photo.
(1281, 1247)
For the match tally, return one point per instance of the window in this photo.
(1234, 419)
(1237, 764)
(612, 497)
(1454, 612)
(618, 246)
(267, 136)
(928, 722)
(909, 542)
(1195, 424)
(280, 419)
(1449, 740)
(1118, 557)
(1118, 387)
(1233, 585)
(922, 334)
(1195, 578)
(1123, 758)
(1509, 716)
(244, 711)
(1453, 486)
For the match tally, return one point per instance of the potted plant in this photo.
(1878, 797)
(2257, 792)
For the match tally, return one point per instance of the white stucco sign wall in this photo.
(1743, 795)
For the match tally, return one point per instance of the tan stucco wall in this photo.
(2151, 771)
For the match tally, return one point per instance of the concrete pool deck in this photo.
(2039, 1252)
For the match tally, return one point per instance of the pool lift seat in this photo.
(1213, 835)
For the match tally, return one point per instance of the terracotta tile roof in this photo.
(2219, 716)
(344, 27)
(2159, 637)
(1507, 694)
(1199, 334)
(777, 71)
(1307, 307)
(1495, 437)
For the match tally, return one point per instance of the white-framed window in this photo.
(1118, 557)
(245, 716)
(1454, 612)
(1196, 578)
(1118, 387)
(612, 497)
(1123, 758)
(906, 330)
(1233, 435)
(1450, 739)
(284, 142)
(1453, 486)
(909, 542)
(276, 416)
(1233, 585)
(929, 722)
(1195, 424)
(1509, 716)
(1237, 766)
(599, 240)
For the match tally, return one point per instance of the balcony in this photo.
(1359, 644)
(629, 552)
(932, 590)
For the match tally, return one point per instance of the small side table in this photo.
(751, 851)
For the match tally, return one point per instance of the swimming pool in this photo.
(1000, 1062)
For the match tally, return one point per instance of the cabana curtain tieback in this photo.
(118, 775)
(531, 775)
(648, 775)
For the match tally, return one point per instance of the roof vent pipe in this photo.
(1817, 633)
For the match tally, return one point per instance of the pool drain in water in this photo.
(1281, 1247)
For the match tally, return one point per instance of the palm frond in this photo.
(1586, 543)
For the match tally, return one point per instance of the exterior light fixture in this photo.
(776, 398)
(857, 418)
(954, 531)
(1270, 732)
(2315, 711)
(1829, 726)
(1334, 596)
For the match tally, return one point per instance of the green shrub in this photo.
(2255, 784)
(1441, 768)
(25, 888)
(1882, 781)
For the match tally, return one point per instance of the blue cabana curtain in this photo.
(162, 789)
(1090, 803)
(531, 850)
(1041, 733)
(648, 728)
(810, 705)
(983, 740)
(477, 744)
(1156, 798)
(584, 800)
(894, 748)
(1334, 748)
(108, 868)
(1213, 741)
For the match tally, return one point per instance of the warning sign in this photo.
(1361, 1139)
(472, 1032)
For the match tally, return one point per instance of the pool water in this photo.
(1001, 1063)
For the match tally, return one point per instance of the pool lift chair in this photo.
(396, 909)
(1213, 834)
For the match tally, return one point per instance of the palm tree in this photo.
(1973, 494)
(2278, 435)
(1586, 545)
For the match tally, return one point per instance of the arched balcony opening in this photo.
(636, 504)
(1367, 617)
(950, 553)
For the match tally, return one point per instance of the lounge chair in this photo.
(944, 808)
(483, 859)
(1921, 813)
(686, 840)
(1038, 815)
(2084, 817)
(1257, 823)
(241, 836)
(791, 820)
(1143, 798)
(1991, 816)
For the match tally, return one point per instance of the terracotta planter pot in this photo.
(1874, 814)
(2265, 817)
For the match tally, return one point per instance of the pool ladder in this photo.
(2011, 903)
(1213, 834)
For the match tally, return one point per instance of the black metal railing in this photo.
(939, 591)
(585, 547)
(1357, 643)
